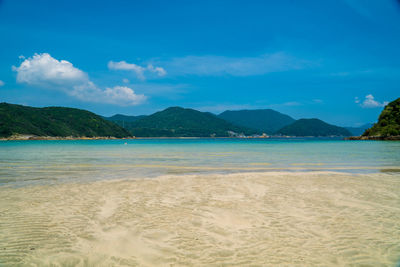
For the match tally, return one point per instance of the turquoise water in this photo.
(44, 162)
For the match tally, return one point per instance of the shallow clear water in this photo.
(43, 162)
(250, 202)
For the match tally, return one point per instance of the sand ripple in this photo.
(257, 219)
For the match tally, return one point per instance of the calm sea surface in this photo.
(44, 162)
(266, 202)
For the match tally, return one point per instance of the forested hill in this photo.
(124, 118)
(183, 122)
(388, 123)
(263, 120)
(313, 127)
(55, 121)
(124, 121)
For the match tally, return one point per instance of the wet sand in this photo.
(257, 219)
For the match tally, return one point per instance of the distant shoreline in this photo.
(377, 138)
(33, 137)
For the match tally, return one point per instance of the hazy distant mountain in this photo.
(389, 121)
(263, 120)
(357, 131)
(124, 120)
(313, 127)
(55, 121)
(177, 121)
(120, 117)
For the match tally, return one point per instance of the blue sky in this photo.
(338, 60)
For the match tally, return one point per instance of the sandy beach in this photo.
(257, 219)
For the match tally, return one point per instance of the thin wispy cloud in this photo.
(383, 73)
(223, 107)
(374, 10)
(163, 90)
(1, 83)
(370, 102)
(43, 70)
(352, 73)
(286, 104)
(212, 65)
(138, 70)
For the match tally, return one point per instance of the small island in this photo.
(387, 127)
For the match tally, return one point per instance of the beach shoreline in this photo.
(272, 218)
(62, 138)
(51, 138)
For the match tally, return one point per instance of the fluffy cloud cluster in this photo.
(370, 102)
(42, 69)
(45, 71)
(138, 70)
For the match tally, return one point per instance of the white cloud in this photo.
(125, 80)
(1, 83)
(370, 102)
(123, 94)
(379, 11)
(292, 103)
(122, 65)
(117, 95)
(158, 70)
(45, 71)
(318, 101)
(138, 70)
(212, 65)
(42, 69)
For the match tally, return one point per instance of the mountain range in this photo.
(183, 122)
(177, 121)
(263, 120)
(171, 122)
